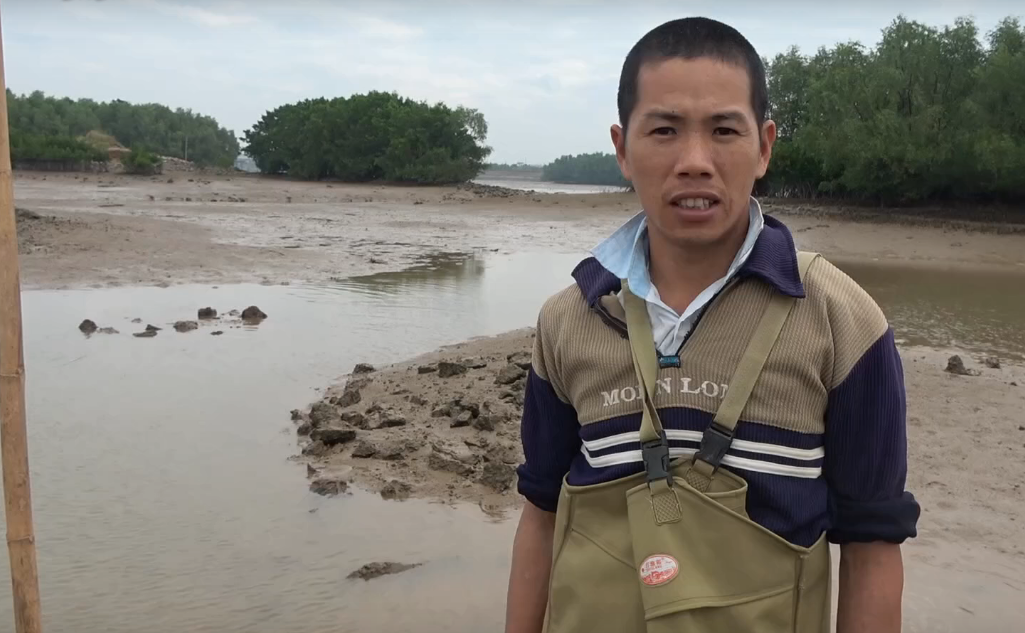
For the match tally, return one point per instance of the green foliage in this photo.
(63, 151)
(141, 161)
(164, 131)
(928, 114)
(376, 136)
(585, 169)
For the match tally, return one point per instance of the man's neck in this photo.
(681, 273)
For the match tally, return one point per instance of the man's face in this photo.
(693, 149)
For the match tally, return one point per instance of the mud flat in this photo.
(113, 229)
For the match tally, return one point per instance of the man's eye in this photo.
(725, 131)
(663, 131)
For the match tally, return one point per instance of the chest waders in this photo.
(671, 549)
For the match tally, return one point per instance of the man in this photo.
(816, 447)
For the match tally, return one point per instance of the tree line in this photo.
(595, 168)
(46, 128)
(928, 114)
(367, 137)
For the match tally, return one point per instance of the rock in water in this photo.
(107, 330)
(448, 370)
(376, 570)
(186, 326)
(253, 314)
(328, 487)
(509, 374)
(152, 328)
(207, 313)
(956, 366)
(498, 476)
(397, 490)
(88, 326)
(331, 437)
(146, 334)
(363, 368)
(349, 397)
(322, 414)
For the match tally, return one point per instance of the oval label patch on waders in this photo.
(659, 569)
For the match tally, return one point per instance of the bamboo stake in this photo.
(21, 544)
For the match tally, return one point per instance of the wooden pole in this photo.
(21, 545)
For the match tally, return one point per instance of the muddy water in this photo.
(164, 495)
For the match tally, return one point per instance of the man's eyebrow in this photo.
(672, 116)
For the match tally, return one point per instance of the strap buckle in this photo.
(715, 441)
(656, 460)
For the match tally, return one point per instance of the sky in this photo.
(544, 74)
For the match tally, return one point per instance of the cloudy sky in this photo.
(543, 73)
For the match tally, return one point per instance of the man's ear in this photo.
(619, 142)
(766, 140)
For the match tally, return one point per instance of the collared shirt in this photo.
(625, 254)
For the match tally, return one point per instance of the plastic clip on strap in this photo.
(654, 445)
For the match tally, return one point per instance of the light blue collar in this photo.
(625, 252)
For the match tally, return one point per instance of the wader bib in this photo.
(671, 549)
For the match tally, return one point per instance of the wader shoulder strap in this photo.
(718, 436)
(642, 348)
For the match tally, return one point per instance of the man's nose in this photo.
(695, 157)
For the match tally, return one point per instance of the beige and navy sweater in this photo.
(821, 442)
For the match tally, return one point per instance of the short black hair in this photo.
(692, 38)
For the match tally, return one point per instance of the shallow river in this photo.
(164, 493)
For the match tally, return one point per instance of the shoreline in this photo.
(452, 436)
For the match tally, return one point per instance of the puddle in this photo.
(165, 499)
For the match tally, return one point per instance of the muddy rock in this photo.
(253, 314)
(391, 420)
(509, 374)
(520, 359)
(136, 320)
(146, 334)
(956, 366)
(393, 451)
(297, 415)
(186, 326)
(376, 570)
(396, 490)
(349, 397)
(153, 328)
(356, 419)
(446, 464)
(315, 449)
(448, 369)
(328, 487)
(442, 411)
(992, 362)
(363, 368)
(476, 363)
(418, 400)
(322, 414)
(107, 330)
(364, 450)
(207, 313)
(332, 437)
(463, 419)
(426, 369)
(304, 429)
(484, 422)
(498, 476)
(88, 326)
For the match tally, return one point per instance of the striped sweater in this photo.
(821, 442)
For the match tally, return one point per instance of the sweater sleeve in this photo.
(866, 434)
(549, 431)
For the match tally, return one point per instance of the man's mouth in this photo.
(699, 204)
